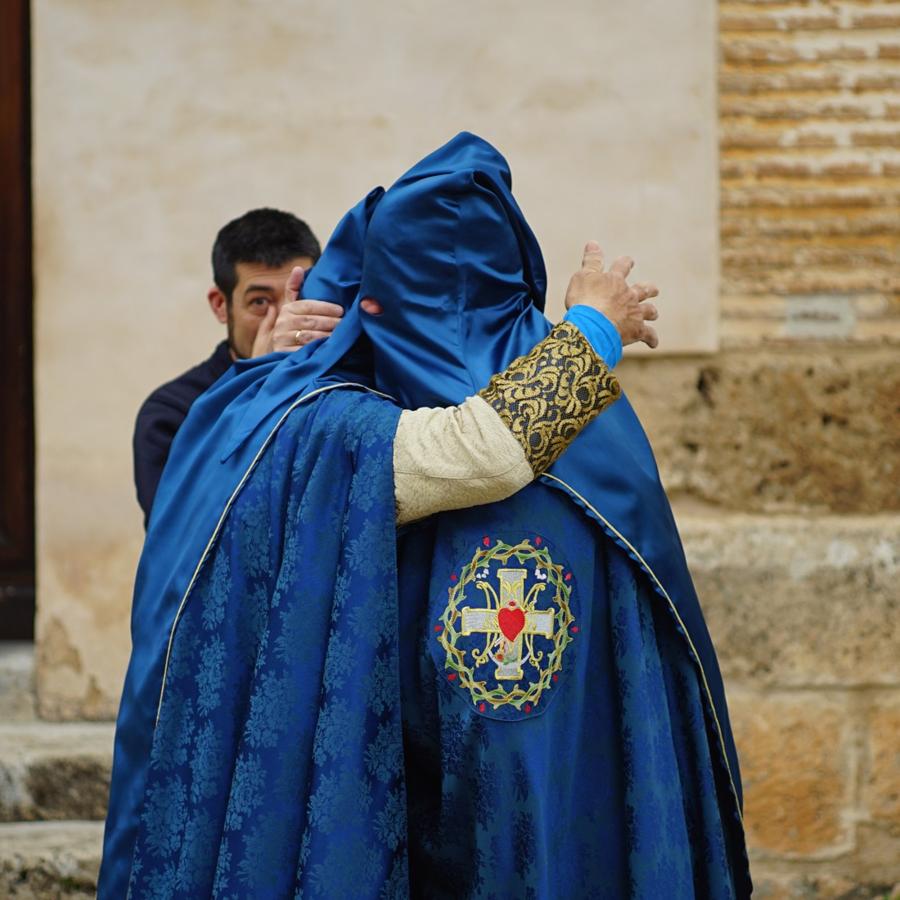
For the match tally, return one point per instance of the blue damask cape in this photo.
(556, 735)
(217, 446)
(451, 258)
(277, 765)
(565, 721)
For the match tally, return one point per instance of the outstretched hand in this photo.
(626, 306)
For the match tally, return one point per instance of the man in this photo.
(252, 258)
(565, 730)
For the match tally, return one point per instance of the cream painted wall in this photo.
(155, 123)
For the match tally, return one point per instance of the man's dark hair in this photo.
(269, 237)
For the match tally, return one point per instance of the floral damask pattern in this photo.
(308, 747)
(614, 791)
(277, 763)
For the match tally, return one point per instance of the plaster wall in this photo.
(156, 123)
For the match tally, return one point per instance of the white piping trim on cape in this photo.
(672, 607)
(227, 509)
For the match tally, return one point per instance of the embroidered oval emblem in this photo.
(504, 631)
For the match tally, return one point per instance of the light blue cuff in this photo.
(601, 334)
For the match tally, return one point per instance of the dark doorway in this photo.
(16, 382)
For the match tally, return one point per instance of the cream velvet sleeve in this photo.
(456, 457)
(499, 440)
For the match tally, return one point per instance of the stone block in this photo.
(796, 765)
(818, 223)
(748, 254)
(881, 791)
(817, 885)
(54, 771)
(875, 137)
(885, 331)
(794, 20)
(762, 81)
(876, 81)
(795, 603)
(786, 429)
(878, 853)
(766, 52)
(794, 107)
(848, 168)
(16, 681)
(749, 331)
(41, 860)
(799, 198)
(877, 18)
(834, 281)
(731, 21)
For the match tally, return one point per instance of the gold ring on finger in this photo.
(298, 336)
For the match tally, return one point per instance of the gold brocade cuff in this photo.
(548, 396)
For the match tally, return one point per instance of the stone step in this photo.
(54, 770)
(50, 859)
(16, 681)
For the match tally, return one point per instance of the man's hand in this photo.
(626, 306)
(297, 322)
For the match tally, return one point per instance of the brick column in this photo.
(791, 440)
(810, 170)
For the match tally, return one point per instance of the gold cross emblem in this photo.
(504, 631)
(508, 624)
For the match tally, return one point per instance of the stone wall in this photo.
(784, 482)
(782, 451)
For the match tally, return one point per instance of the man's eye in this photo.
(259, 301)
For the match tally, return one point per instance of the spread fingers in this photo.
(649, 311)
(622, 266)
(646, 290)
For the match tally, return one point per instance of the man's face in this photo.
(258, 288)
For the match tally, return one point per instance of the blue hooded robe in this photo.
(536, 711)
(564, 719)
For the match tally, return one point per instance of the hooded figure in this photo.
(258, 744)
(565, 725)
(519, 700)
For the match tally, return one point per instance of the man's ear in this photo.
(218, 303)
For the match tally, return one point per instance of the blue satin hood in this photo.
(460, 275)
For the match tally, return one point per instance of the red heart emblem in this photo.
(511, 622)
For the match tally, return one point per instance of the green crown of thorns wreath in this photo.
(449, 631)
